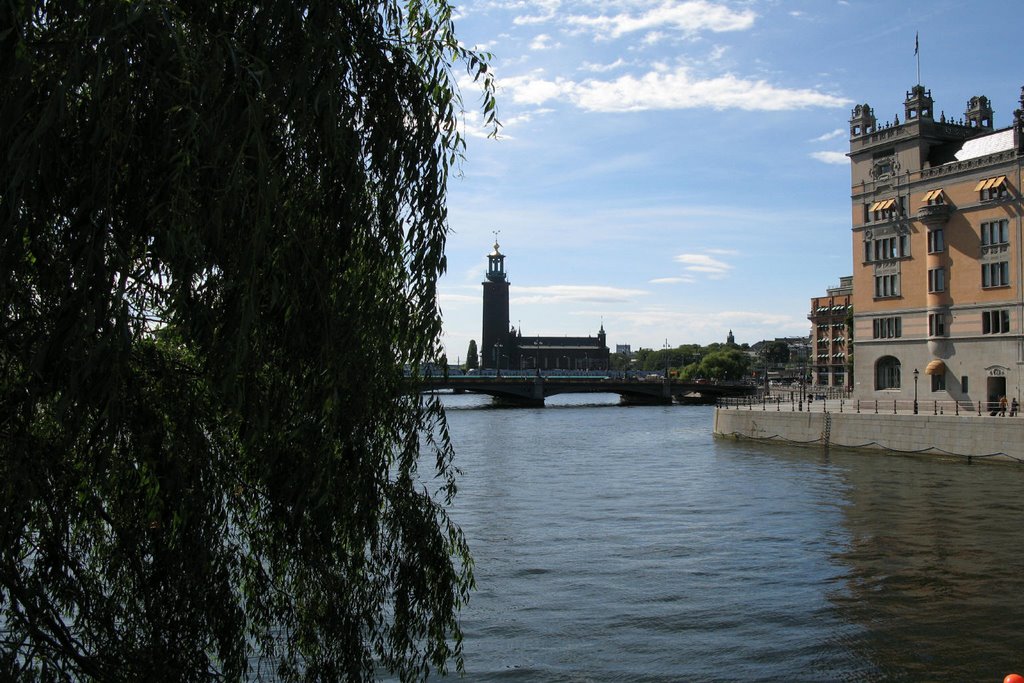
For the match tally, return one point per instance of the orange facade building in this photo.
(830, 343)
(937, 232)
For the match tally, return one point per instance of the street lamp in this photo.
(667, 356)
(916, 373)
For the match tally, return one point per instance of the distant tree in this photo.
(727, 364)
(472, 358)
(221, 225)
(777, 352)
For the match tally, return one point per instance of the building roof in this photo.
(999, 141)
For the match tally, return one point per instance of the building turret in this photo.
(1018, 124)
(918, 105)
(496, 265)
(979, 112)
(862, 121)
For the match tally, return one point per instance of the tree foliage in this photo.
(221, 225)
(472, 358)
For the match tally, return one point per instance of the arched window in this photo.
(887, 373)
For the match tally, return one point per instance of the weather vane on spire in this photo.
(496, 232)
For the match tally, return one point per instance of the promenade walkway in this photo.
(791, 401)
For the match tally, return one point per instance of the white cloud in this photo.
(601, 68)
(837, 133)
(703, 263)
(458, 298)
(665, 90)
(547, 8)
(542, 42)
(831, 157)
(556, 294)
(671, 280)
(687, 17)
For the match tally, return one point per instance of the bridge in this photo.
(531, 391)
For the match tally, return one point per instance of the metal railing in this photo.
(794, 403)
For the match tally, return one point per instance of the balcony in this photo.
(934, 214)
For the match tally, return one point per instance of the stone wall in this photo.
(980, 438)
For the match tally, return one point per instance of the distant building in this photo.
(504, 347)
(830, 343)
(937, 235)
(623, 349)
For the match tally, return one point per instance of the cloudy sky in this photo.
(675, 169)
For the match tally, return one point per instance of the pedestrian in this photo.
(1013, 407)
(1002, 406)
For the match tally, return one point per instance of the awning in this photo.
(990, 183)
(932, 196)
(936, 367)
(883, 205)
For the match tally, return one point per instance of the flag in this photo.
(916, 45)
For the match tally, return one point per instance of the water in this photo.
(626, 544)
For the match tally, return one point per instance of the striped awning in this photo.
(936, 367)
(932, 196)
(883, 205)
(990, 183)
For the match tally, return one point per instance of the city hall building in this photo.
(502, 347)
(938, 304)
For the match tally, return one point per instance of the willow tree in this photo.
(222, 226)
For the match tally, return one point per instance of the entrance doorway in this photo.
(995, 389)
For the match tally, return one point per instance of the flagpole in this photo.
(917, 53)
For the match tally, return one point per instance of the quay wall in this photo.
(976, 438)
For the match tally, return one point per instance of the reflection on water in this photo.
(617, 543)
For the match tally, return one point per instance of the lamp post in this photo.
(497, 363)
(667, 358)
(916, 373)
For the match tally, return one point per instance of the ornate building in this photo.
(503, 347)
(830, 342)
(937, 234)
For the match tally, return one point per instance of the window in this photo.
(884, 210)
(995, 322)
(995, 232)
(887, 286)
(937, 280)
(887, 373)
(934, 198)
(936, 324)
(994, 274)
(936, 241)
(992, 188)
(939, 381)
(886, 328)
(963, 383)
(887, 248)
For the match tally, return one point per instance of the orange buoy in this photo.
(1013, 678)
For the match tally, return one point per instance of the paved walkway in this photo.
(783, 403)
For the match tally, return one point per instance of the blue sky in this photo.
(675, 168)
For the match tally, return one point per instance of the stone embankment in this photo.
(955, 430)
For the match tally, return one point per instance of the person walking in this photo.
(1013, 407)
(1002, 406)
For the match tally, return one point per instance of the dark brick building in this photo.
(503, 347)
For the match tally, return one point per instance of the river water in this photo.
(626, 544)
